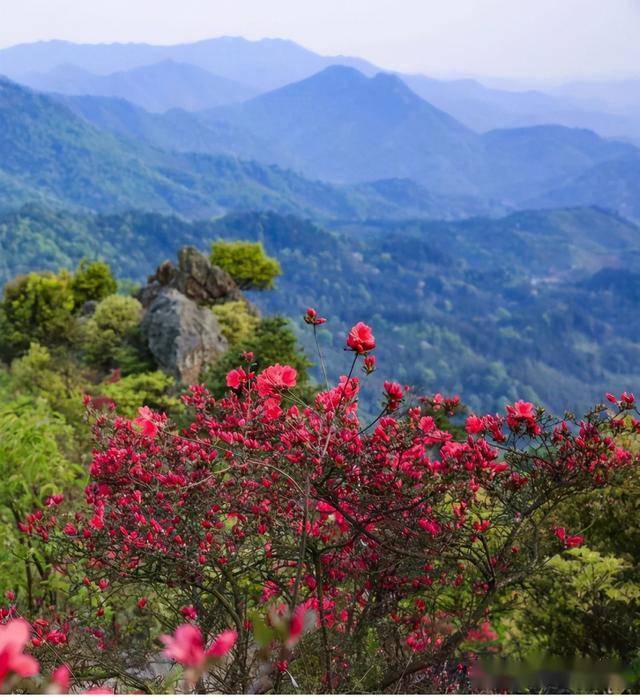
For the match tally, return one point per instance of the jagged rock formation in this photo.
(195, 277)
(182, 331)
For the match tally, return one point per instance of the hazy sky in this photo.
(511, 38)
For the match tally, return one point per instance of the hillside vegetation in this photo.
(491, 309)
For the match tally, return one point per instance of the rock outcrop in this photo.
(195, 277)
(182, 332)
(182, 335)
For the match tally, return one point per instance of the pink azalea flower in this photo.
(14, 636)
(222, 644)
(61, 678)
(185, 646)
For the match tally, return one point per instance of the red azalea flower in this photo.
(474, 424)
(394, 394)
(312, 317)
(147, 422)
(574, 541)
(235, 378)
(275, 378)
(361, 339)
(189, 612)
(568, 540)
(522, 413)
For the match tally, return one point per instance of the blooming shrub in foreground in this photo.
(394, 541)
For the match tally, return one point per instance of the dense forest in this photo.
(489, 309)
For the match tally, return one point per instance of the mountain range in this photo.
(497, 254)
(345, 127)
(609, 108)
(156, 88)
(263, 65)
(49, 154)
(313, 148)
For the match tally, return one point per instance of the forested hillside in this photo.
(345, 127)
(488, 308)
(49, 153)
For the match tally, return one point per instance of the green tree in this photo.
(115, 319)
(33, 465)
(53, 377)
(585, 604)
(36, 307)
(247, 263)
(92, 281)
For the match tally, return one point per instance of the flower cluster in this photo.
(366, 528)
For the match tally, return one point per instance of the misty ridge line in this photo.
(216, 72)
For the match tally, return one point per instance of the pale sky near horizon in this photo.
(545, 39)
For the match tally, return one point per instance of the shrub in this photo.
(53, 378)
(115, 319)
(33, 466)
(236, 321)
(247, 263)
(402, 539)
(584, 605)
(92, 281)
(133, 391)
(36, 307)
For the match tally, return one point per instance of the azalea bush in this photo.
(276, 544)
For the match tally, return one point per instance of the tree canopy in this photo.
(247, 263)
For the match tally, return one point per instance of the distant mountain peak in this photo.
(342, 78)
(334, 73)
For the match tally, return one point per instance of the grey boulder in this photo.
(183, 336)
